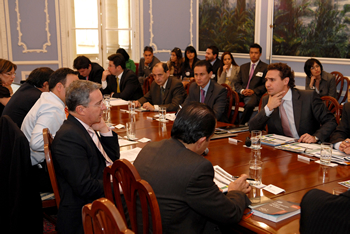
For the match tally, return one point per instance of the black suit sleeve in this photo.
(130, 85)
(178, 97)
(111, 85)
(259, 121)
(261, 89)
(239, 83)
(220, 104)
(342, 131)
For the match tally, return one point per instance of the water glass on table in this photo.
(162, 114)
(255, 171)
(107, 98)
(107, 115)
(326, 153)
(131, 130)
(255, 139)
(131, 107)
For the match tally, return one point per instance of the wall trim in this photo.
(36, 62)
(3, 42)
(20, 43)
(155, 48)
(24, 73)
(9, 41)
(276, 58)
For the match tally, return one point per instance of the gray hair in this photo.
(78, 93)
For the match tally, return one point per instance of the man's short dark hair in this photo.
(81, 62)
(78, 93)
(204, 63)
(214, 50)
(148, 48)
(124, 53)
(59, 76)
(118, 60)
(163, 65)
(285, 71)
(256, 46)
(309, 64)
(194, 121)
(39, 76)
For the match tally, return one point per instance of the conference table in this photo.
(280, 168)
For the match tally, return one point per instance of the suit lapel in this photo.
(209, 92)
(167, 89)
(297, 105)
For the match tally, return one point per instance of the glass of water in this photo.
(326, 153)
(131, 107)
(107, 115)
(131, 130)
(255, 139)
(255, 171)
(107, 98)
(162, 114)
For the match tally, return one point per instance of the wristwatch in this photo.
(317, 140)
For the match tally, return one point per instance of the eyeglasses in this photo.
(9, 74)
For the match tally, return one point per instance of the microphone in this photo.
(248, 142)
(206, 151)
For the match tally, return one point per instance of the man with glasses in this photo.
(47, 112)
(119, 81)
(165, 91)
(82, 148)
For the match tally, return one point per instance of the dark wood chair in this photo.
(260, 102)
(102, 217)
(233, 99)
(344, 83)
(187, 85)
(147, 84)
(126, 181)
(333, 106)
(48, 157)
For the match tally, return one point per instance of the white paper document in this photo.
(130, 154)
(124, 142)
(118, 102)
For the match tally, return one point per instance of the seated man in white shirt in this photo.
(341, 136)
(47, 112)
(300, 114)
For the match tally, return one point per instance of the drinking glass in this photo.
(107, 115)
(326, 153)
(131, 107)
(131, 130)
(162, 114)
(255, 171)
(107, 100)
(256, 139)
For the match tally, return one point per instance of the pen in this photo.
(236, 177)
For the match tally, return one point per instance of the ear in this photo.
(59, 86)
(286, 81)
(80, 110)
(200, 142)
(46, 86)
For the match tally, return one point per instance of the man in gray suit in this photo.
(300, 114)
(251, 82)
(165, 91)
(208, 91)
(182, 179)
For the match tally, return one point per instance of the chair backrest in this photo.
(233, 99)
(143, 191)
(333, 106)
(103, 217)
(187, 85)
(260, 102)
(48, 157)
(125, 180)
(344, 86)
(147, 84)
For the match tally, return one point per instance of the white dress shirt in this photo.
(47, 112)
(288, 107)
(104, 83)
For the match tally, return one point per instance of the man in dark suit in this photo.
(120, 81)
(165, 91)
(183, 180)
(251, 82)
(341, 136)
(26, 96)
(300, 114)
(88, 70)
(211, 55)
(146, 64)
(206, 91)
(322, 212)
(80, 154)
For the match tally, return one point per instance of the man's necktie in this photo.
(250, 75)
(162, 91)
(118, 89)
(285, 122)
(202, 95)
(99, 146)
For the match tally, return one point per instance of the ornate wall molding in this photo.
(151, 43)
(20, 43)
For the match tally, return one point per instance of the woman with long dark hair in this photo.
(228, 70)
(190, 60)
(7, 76)
(175, 62)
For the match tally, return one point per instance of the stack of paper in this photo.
(274, 140)
(130, 154)
(118, 102)
(222, 178)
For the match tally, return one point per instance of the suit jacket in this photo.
(216, 98)
(21, 102)
(174, 94)
(216, 67)
(95, 74)
(79, 169)
(146, 71)
(327, 85)
(20, 203)
(183, 183)
(343, 129)
(232, 79)
(257, 83)
(310, 116)
(322, 212)
(130, 88)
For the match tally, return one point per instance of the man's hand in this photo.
(148, 106)
(345, 145)
(100, 126)
(307, 138)
(105, 74)
(240, 184)
(137, 104)
(275, 100)
(248, 92)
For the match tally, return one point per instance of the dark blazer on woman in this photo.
(327, 85)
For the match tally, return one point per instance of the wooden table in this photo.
(280, 168)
